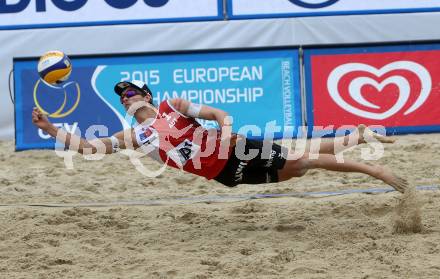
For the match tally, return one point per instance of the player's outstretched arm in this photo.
(73, 142)
(208, 113)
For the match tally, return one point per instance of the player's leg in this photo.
(296, 168)
(339, 144)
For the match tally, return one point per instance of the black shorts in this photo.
(253, 162)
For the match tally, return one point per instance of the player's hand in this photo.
(40, 119)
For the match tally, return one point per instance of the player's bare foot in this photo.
(391, 179)
(364, 132)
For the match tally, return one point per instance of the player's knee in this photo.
(298, 167)
(302, 169)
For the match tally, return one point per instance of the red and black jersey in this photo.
(181, 142)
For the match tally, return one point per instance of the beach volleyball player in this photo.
(170, 134)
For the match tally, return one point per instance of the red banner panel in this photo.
(398, 88)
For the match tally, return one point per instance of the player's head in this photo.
(133, 91)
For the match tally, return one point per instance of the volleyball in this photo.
(54, 67)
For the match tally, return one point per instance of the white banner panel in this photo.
(286, 8)
(16, 14)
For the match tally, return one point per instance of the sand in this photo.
(386, 235)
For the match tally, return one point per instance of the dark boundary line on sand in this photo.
(216, 199)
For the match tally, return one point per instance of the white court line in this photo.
(215, 199)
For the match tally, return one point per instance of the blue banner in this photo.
(260, 89)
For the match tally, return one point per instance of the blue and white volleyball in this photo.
(54, 67)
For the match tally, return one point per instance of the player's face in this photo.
(130, 96)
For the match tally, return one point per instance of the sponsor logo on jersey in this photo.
(146, 135)
(183, 152)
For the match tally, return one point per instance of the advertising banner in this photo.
(260, 89)
(396, 87)
(239, 9)
(54, 13)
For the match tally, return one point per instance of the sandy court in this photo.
(349, 236)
